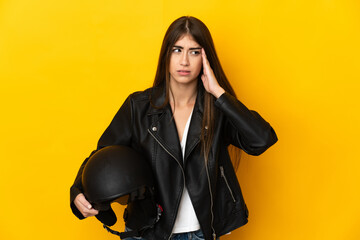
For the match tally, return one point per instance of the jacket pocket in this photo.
(222, 172)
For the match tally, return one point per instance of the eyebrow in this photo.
(189, 48)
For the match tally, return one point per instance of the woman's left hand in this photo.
(210, 83)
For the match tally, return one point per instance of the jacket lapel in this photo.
(163, 127)
(194, 134)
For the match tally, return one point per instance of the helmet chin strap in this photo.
(136, 232)
(122, 235)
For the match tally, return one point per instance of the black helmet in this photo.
(120, 174)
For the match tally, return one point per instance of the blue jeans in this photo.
(196, 235)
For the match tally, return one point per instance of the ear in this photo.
(107, 217)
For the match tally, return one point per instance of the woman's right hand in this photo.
(84, 206)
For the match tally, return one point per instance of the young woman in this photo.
(184, 125)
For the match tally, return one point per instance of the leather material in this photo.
(153, 132)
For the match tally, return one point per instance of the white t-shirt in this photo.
(186, 220)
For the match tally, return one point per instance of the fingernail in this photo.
(89, 206)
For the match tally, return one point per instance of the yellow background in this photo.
(67, 66)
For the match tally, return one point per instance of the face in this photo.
(185, 60)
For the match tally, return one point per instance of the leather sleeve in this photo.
(244, 128)
(117, 133)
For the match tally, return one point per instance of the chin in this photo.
(186, 81)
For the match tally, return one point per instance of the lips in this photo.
(183, 72)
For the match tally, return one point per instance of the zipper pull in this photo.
(214, 236)
(222, 171)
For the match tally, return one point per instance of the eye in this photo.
(195, 52)
(176, 50)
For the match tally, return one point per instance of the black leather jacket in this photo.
(214, 189)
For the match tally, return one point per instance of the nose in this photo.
(184, 60)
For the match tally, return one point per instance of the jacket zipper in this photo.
(227, 183)
(211, 203)
(182, 170)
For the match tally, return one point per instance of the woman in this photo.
(184, 125)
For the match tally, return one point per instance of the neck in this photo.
(183, 94)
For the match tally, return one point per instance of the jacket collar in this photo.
(157, 99)
(164, 128)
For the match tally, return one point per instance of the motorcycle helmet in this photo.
(120, 174)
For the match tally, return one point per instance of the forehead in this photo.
(186, 40)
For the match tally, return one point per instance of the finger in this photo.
(83, 210)
(82, 200)
(203, 50)
(92, 212)
(203, 55)
(87, 212)
(81, 207)
(206, 64)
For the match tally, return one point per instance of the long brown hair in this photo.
(201, 34)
